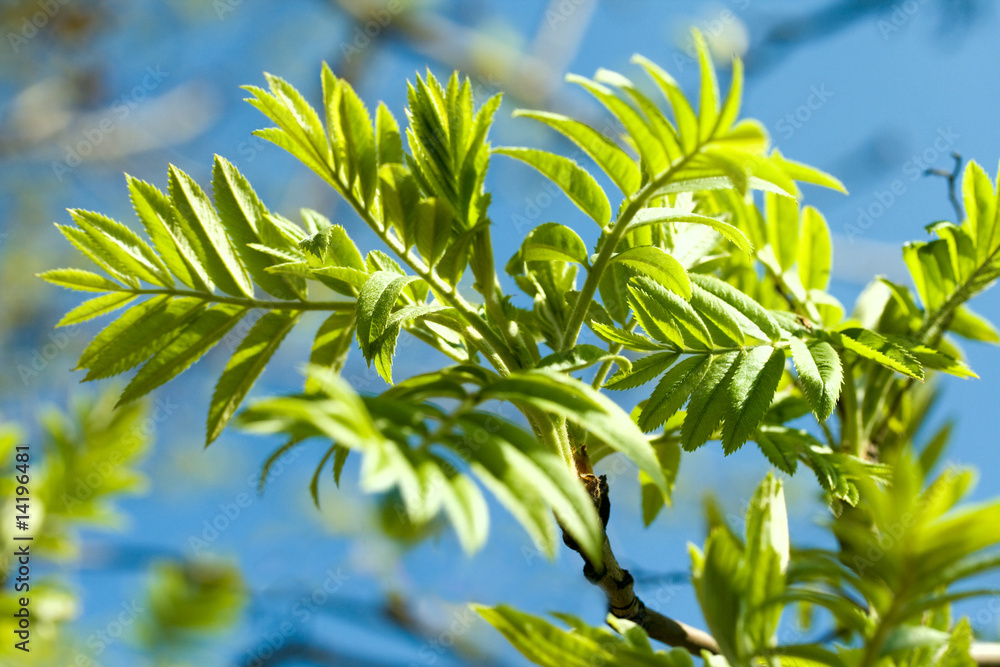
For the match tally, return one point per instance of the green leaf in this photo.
(980, 210)
(657, 122)
(646, 142)
(756, 315)
(581, 646)
(871, 345)
(613, 289)
(205, 233)
(615, 162)
(456, 257)
(243, 215)
(687, 120)
(782, 216)
(383, 347)
(552, 241)
(122, 248)
(331, 246)
(652, 313)
(195, 340)
(805, 173)
(400, 195)
(314, 482)
(708, 109)
(719, 313)
(754, 380)
(731, 107)
(671, 310)
(578, 185)
(582, 405)
(815, 250)
(510, 475)
(466, 508)
(971, 325)
(390, 146)
(85, 244)
(706, 183)
(662, 215)
(125, 323)
(651, 261)
(911, 637)
(375, 303)
(298, 148)
(714, 576)
(96, 307)
(642, 371)
(332, 343)
(709, 401)
(160, 220)
(627, 339)
(668, 452)
(673, 390)
(78, 279)
(358, 141)
(134, 337)
(433, 222)
(529, 471)
(782, 454)
(289, 109)
(245, 365)
(820, 373)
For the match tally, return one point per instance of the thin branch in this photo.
(952, 178)
(635, 203)
(501, 356)
(618, 584)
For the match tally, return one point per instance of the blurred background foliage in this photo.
(150, 550)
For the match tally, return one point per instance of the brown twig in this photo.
(618, 584)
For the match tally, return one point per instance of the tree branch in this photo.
(618, 584)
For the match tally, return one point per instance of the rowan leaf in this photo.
(571, 178)
(751, 389)
(245, 365)
(194, 341)
(78, 279)
(673, 391)
(659, 265)
(615, 162)
(820, 373)
(100, 305)
(207, 236)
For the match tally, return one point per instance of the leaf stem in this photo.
(501, 355)
(849, 431)
(613, 348)
(636, 202)
(330, 306)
